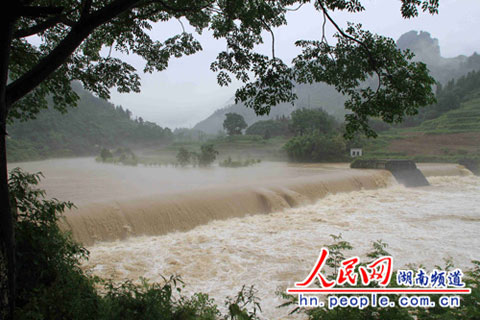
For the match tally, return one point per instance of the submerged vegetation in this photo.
(229, 163)
(204, 158)
(184, 157)
(125, 156)
(120, 155)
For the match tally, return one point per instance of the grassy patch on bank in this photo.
(450, 137)
(464, 119)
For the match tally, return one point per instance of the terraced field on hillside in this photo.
(453, 135)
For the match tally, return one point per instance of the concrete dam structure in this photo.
(404, 171)
(184, 210)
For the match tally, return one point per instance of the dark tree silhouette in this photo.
(234, 123)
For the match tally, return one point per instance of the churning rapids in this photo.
(221, 228)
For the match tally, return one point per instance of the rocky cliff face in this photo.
(425, 47)
(427, 50)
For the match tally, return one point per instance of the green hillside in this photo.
(83, 130)
(452, 136)
(464, 119)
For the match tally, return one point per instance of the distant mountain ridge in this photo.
(309, 96)
(426, 49)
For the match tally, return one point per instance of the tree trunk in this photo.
(7, 241)
(7, 235)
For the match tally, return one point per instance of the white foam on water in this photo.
(272, 251)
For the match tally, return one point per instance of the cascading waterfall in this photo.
(163, 213)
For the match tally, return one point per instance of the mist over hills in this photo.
(96, 123)
(82, 131)
(426, 49)
(309, 96)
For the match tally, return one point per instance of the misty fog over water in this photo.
(83, 180)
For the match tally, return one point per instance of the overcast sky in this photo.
(187, 91)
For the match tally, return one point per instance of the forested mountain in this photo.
(326, 97)
(449, 97)
(83, 130)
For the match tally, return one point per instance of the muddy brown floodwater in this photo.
(221, 228)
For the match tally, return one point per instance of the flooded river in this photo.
(221, 228)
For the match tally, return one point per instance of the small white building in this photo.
(356, 152)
